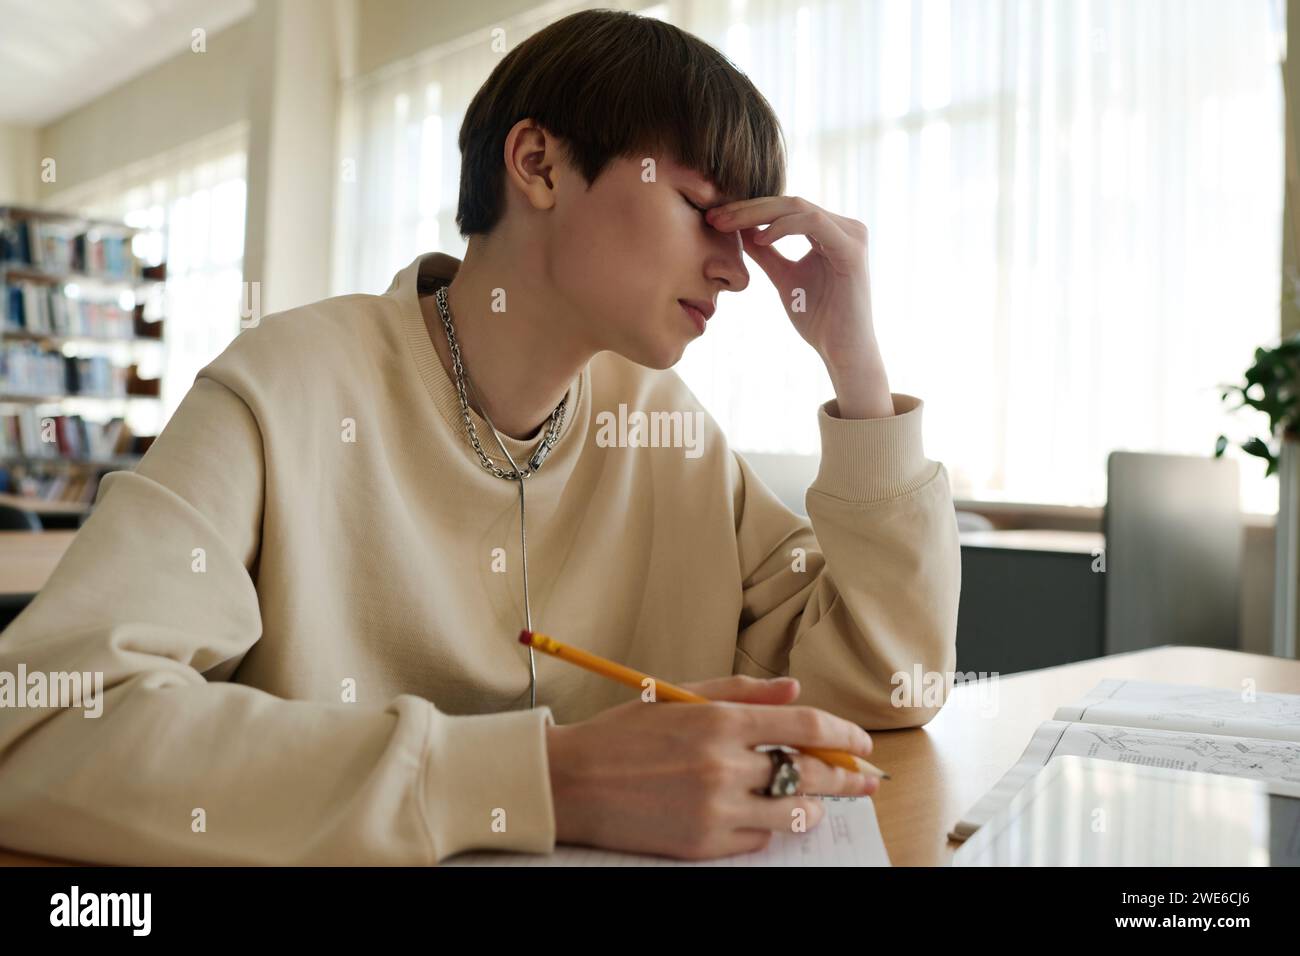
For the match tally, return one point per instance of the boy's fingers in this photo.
(744, 689)
(804, 727)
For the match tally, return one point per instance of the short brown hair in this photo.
(615, 84)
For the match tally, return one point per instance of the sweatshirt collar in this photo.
(424, 276)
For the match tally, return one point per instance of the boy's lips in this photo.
(695, 313)
(703, 306)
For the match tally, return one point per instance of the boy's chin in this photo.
(657, 355)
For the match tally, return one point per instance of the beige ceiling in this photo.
(56, 55)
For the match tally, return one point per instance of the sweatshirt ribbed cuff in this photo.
(488, 782)
(873, 459)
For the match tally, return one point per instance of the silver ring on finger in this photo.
(784, 781)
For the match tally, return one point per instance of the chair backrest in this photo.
(18, 519)
(1173, 551)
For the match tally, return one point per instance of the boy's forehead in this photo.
(687, 173)
(702, 181)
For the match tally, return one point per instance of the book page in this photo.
(848, 835)
(1210, 710)
(1277, 761)
(1036, 755)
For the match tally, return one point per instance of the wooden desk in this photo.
(941, 769)
(27, 558)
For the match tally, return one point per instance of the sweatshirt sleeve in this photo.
(174, 763)
(865, 588)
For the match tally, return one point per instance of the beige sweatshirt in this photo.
(305, 600)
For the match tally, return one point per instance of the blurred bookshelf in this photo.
(73, 288)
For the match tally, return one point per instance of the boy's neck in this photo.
(521, 360)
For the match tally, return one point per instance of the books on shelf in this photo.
(15, 244)
(25, 433)
(61, 245)
(44, 309)
(53, 246)
(60, 278)
(27, 308)
(102, 447)
(27, 368)
(107, 256)
(62, 487)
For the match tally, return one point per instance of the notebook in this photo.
(1175, 726)
(848, 835)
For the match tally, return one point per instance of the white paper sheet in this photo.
(848, 835)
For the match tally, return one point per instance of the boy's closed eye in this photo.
(702, 210)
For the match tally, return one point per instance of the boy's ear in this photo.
(531, 155)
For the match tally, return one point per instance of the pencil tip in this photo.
(525, 636)
(869, 769)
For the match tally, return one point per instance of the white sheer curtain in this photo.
(190, 203)
(400, 166)
(1075, 211)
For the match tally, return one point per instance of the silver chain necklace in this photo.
(515, 474)
(552, 429)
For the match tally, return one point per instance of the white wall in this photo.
(279, 69)
(293, 111)
(176, 102)
(19, 164)
(389, 30)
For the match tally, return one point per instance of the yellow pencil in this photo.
(671, 692)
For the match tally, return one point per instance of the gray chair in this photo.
(1173, 551)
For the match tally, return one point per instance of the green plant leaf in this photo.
(1257, 448)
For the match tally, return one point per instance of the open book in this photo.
(1162, 725)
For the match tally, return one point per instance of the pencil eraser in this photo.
(526, 636)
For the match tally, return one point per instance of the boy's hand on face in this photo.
(826, 294)
(833, 277)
